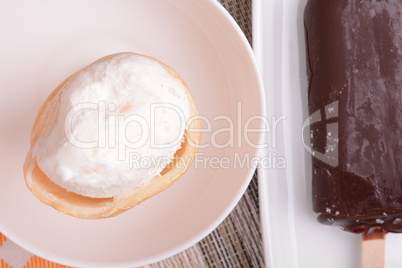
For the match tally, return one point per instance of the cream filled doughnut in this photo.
(112, 135)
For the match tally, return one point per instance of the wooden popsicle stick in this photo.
(373, 249)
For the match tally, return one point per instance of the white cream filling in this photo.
(118, 123)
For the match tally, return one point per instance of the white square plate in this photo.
(292, 236)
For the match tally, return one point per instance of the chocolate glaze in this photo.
(354, 57)
(374, 233)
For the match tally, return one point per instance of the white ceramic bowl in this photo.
(45, 41)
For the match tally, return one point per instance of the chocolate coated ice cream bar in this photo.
(354, 65)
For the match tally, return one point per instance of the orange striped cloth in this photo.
(25, 260)
(32, 262)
